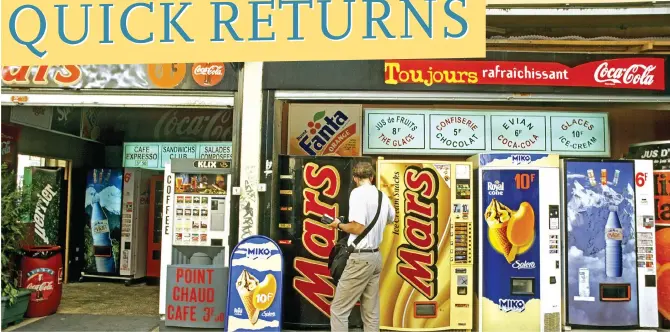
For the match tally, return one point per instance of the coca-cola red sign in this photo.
(625, 73)
(40, 280)
(208, 74)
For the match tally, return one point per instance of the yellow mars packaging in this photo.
(324, 130)
(427, 277)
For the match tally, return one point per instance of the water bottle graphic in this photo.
(613, 245)
(102, 242)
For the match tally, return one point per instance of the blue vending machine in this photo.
(609, 237)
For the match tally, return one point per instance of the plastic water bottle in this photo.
(613, 248)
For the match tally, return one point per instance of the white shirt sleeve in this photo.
(357, 208)
(391, 211)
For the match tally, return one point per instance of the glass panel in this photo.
(523, 286)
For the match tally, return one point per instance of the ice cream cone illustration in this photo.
(246, 283)
(510, 232)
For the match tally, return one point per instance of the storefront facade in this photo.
(82, 117)
(591, 106)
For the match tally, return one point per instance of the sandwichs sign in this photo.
(52, 32)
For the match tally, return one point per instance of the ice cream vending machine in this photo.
(518, 225)
(196, 218)
(609, 236)
(427, 278)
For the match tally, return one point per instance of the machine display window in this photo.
(614, 292)
(523, 286)
(425, 309)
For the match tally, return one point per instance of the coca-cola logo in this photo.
(635, 74)
(208, 74)
(41, 281)
(177, 125)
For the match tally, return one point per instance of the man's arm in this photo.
(357, 210)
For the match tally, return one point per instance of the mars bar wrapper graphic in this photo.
(325, 130)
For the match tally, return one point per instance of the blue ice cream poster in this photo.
(103, 206)
(600, 217)
(511, 254)
(255, 286)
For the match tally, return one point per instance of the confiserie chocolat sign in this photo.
(625, 73)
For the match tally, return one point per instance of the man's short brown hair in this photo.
(364, 170)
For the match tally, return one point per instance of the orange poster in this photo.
(662, 199)
(324, 130)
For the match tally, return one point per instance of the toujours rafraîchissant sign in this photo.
(52, 32)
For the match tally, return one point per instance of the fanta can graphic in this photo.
(613, 248)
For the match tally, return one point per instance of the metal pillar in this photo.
(250, 148)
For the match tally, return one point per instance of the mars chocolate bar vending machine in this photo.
(310, 187)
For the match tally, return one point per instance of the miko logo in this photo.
(321, 130)
(256, 253)
(507, 305)
(519, 159)
(495, 188)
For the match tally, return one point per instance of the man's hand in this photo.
(335, 223)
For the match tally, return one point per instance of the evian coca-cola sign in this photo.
(635, 74)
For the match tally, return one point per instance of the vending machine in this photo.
(310, 187)
(519, 242)
(117, 204)
(196, 221)
(609, 236)
(659, 153)
(427, 280)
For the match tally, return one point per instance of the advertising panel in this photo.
(468, 132)
(324, 130)
(427, 276)
(255, 286)
(309, 188)
(659, 152)
(156, 155)
(103, 231)
(625, 73)
(197, 296)
(47, 209)
(511, 250)
(173, 76)
(601, 243)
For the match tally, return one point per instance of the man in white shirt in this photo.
(360, 279)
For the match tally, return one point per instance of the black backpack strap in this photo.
(367, 230)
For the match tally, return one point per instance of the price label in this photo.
(578, 133)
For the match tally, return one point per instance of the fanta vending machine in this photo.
(518, 225)
(427, 279)
(610, 266)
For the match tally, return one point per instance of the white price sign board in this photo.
(468, 132)
(156, 155)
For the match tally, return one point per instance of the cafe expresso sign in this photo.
(464, 132)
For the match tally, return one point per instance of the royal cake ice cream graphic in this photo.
(511, 233)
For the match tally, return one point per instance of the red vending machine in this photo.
(155, 227)
(309, 188)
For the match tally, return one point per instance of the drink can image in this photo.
(584, 289)
(592, 177)
(616, 177)
(603, 177)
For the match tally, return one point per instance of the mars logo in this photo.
(40, 280)
(318, 134)
(495, 188)
(507, 305)
(519, 159)
(256, 253)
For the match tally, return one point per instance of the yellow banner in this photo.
(56, 32)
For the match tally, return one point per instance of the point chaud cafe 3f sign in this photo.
(54, 32)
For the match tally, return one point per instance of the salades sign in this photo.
(625, 73)
(467, 132)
